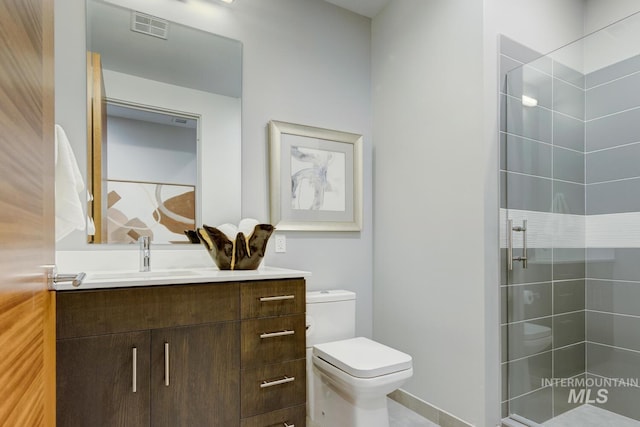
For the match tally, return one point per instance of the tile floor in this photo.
(591, 416)
(401, 416)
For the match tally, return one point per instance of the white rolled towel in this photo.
(69, 185)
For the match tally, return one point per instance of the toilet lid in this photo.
(362, 357)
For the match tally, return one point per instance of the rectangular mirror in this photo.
(164, 126)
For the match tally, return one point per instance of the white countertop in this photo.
(130, 278)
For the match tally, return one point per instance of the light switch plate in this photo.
(281, 243)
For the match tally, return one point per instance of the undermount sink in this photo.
(116, 275)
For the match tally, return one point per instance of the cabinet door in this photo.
(195, 376)
(103, 380)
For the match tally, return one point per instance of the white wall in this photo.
(436, 187)
(429, 162)
(151, 152)
(614, 44)
(307, 62)
(599, 14)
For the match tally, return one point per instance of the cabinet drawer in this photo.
(293, 417)
(272, 298)
(100, 311)
(273, 387)
(272, 340)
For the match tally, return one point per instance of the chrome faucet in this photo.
(145, 253)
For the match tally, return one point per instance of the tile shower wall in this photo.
(543, 181)
(613, 207)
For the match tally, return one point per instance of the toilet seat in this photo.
(362, 357)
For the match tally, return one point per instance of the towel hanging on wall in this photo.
(69, 186)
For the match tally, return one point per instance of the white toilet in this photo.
(348, 378)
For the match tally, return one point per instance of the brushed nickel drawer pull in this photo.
(134, 379)
(276, 334)
(286, 424)
(277, 298)
(166, 364)
(284, 380)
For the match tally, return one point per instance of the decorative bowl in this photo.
(243, 253)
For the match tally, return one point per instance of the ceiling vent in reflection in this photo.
(149, 25)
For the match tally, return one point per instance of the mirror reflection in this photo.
(164, 109)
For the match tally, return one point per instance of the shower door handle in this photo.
(523, 230)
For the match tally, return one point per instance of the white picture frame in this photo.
(315, 178)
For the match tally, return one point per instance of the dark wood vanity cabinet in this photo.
(176, 356)
(273, 354)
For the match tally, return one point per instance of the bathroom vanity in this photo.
(215, 353)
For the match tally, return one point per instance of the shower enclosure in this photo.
(570, 230)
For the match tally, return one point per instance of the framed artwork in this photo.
(160, 211)
(315, 178)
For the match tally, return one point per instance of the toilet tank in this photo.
(331, 316)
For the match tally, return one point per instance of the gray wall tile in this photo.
(568, 74)
(616, 163)
(568, 165)
(568, 198)
(613, 264)
(537, 406)
(612, 97)
(538, 270)
(568, 296)
(517, 334)
(613, 197)
(529, 301)
(569, 361)
(611, 131)
(506, 64)
(530, 122)
(528, 81)
(525, 156)
(526, 375)
(504, 343)
(503, 190)
(528, 193)
(612, 362)
(568, 263)
(568, 132)
(568, 329)
(615, 330)
(524, 54)
(568, 99)
(613, 297)
(614, 71)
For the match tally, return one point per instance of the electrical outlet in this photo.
(281, 243)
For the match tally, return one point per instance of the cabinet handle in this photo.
(276, 334)
(134, 371)
(166, 364)
(277, 298)
(286, 424)
(284, 380)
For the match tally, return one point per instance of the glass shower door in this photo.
(570, 168)
(542, 223)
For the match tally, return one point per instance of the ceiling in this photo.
(369, 8)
